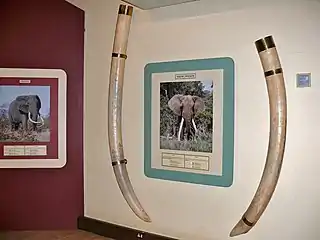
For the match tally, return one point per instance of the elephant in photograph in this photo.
(23, 109)
(186, 107)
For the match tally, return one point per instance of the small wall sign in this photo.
(303, 80)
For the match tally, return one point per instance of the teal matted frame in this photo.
(227, 65)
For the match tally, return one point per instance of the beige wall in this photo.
(189, 211)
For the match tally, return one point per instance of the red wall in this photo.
(45, 34)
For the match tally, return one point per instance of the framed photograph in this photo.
(32, 118)
(189, 121)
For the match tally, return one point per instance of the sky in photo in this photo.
(9, 93)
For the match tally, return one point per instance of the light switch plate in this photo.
(150, 4)
(303, 80)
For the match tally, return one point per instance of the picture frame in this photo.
(174, 158)
(33, 110)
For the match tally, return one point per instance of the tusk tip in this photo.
(234, 233)
(145, 217)
(148, 220)
(239, 229)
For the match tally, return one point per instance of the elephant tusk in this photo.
(42, 121)
(277, 137)
(115, 111)
(180, 128)
(194, 125)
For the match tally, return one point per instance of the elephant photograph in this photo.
(24, 113)
(186, 115)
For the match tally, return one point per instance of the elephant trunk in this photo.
(188, 127)
(188, 123)
(187, 116)
(34, 115)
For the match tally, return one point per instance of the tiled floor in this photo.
(50, 235)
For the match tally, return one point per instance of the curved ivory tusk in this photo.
(277, 137)
(42, 121)
(194, 125)
(180, 128)
(115, 111)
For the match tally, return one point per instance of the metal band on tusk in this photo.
(277, 137)
(273, 72)
(247, 222)
(124, 161)
(126, 10)
(116, 79)
(265, 43)
(119, 55)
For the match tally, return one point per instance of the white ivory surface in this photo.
(278, 123)
(116, 79)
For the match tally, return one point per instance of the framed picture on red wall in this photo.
(32, 118)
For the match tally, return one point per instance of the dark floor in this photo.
(50, 235)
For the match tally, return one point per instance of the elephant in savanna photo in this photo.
(185, 107)
(23, 109)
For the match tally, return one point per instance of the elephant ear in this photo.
(22, 103)
(38, 101)
(175, 104)
(198, 104)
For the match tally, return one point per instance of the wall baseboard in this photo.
(114, 231)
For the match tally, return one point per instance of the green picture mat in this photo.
(227, 65)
